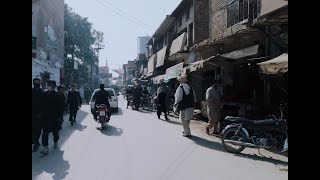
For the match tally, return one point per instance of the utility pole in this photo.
(97, 49)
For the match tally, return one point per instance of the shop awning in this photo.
(195, 66)
(161, 56)
(158, 79)
(174, 71)
(249, 51)
(151, 63)
(178, 44)
(276, 65)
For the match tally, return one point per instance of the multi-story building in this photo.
(48, 38)
(242, 34)
(169, 46)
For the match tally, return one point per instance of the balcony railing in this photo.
(240, 10)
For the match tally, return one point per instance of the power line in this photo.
(127, 14)
(135, 22)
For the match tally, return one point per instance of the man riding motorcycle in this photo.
(101, 97)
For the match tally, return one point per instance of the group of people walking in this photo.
(48, 108)
(184, 103)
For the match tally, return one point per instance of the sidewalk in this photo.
(276, 157)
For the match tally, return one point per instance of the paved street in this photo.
(139, 146)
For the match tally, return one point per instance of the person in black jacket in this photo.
(74, 101)
(101, 97)
(61, 106)
(137, 94)
(51, 116)
(161, 107)
(37, 113)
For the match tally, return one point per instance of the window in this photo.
(240, 10)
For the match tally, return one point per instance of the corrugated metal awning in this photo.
(151, 63)
(249, 51)
(276, 65)
(161, 56)
(178, 44)
(174, 71)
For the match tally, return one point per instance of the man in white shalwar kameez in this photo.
(185, 94)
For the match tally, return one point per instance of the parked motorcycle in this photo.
(242, 133)
(103, 119)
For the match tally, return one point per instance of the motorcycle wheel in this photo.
(101, 120)
(227, 135)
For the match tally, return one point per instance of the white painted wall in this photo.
(40, 66)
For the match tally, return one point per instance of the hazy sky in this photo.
(120, 34)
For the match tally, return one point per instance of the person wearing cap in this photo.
(51, 117)
(214, 97)
(186, 98)
(74, 102)
(37, 113)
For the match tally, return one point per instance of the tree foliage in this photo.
(82, 42)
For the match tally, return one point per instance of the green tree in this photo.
(45, 77)
(82, 43)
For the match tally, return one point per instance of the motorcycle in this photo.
(103, 119)
(242, 133)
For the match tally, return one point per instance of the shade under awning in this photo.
(276, 65)
(161, 56)
(249, 51)
(178, 44)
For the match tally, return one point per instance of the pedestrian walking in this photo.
(51, 117)
(74, 102)
(166, 90)
(61, 106)
(37, 113)
(184, 100)
(162, 105)
(214, 99)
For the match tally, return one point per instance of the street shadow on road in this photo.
(120, 112)
(207, 144)
(53, 163)
(145, 111)
(171, 121)
(263, 158)
(112, 131)
(278, 151)
(67, 129)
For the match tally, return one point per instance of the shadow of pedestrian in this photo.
(67, 129)
(53, 163)
(171, 122)
(144, 111)
(79, 127)
(112, 131)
